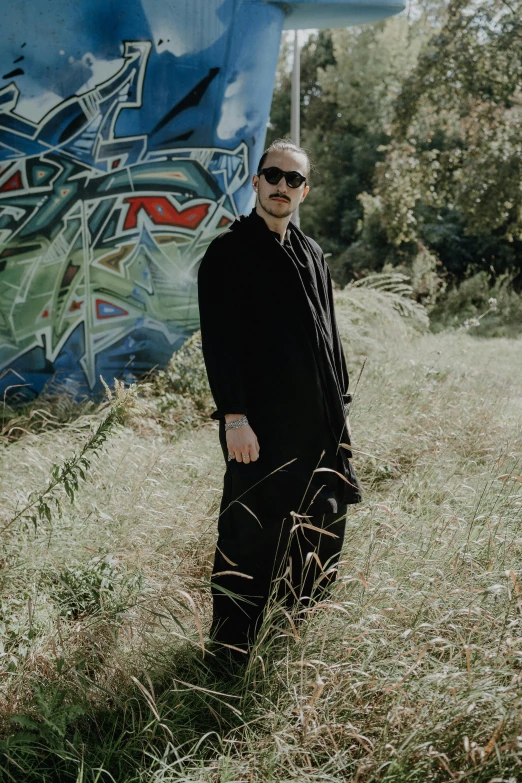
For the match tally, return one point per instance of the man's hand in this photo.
(242, 441)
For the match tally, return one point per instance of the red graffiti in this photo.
(105, 309)
(163, 213)
(224, 221)
(13, 183)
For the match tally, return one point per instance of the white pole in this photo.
(295, 119)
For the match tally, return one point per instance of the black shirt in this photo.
(272, 351)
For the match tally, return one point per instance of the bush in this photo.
(485, 308)
(376, 310)
(180, 393)
(101, 584)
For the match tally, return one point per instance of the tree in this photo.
(415, 127)
(456, 152)
(349, 79)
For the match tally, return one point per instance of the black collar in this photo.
(259, 220)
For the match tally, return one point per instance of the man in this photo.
(278, 376)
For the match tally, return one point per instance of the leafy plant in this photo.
(54, 714)
(180, 393)
(484, 306)
(100, 584)
(396, 288)
(65, 477)
(16, 631)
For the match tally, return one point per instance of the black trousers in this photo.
(296, 558)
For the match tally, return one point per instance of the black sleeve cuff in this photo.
(221, 413)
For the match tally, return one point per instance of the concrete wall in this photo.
(128, 133)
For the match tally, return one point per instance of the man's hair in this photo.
(280, 145)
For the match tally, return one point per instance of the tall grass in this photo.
(410, 671)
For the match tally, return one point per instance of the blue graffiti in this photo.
(128, 131)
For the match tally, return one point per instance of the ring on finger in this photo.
(245, 456)
(230, 456)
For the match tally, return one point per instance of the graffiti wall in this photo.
(128, 133)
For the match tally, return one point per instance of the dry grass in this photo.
(411, 672)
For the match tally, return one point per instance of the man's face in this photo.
(279, 200)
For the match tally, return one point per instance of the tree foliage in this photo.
(348, 81)
(457, 129)
(415, 127)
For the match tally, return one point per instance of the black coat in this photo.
(272, 351)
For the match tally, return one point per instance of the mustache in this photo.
(279, 195)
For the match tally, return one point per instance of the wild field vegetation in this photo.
(410, 671)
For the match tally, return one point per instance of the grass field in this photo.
(411, 671)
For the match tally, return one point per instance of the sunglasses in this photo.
(273, 175)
